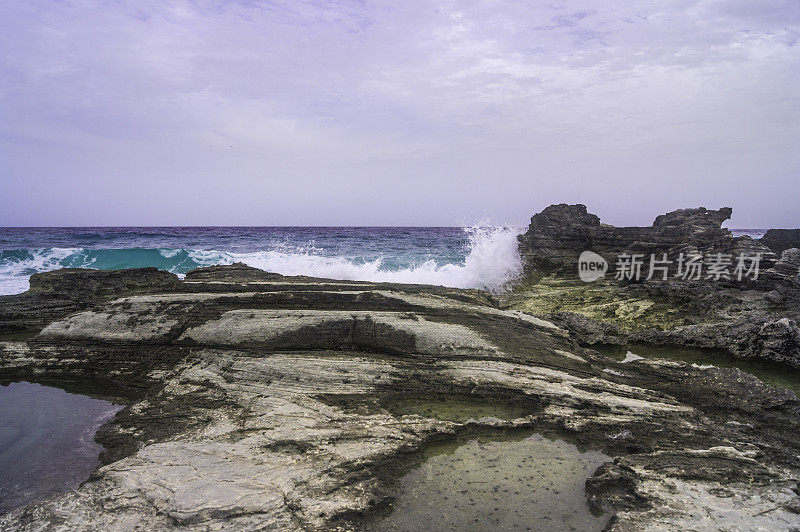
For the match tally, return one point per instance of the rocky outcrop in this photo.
(236, 272)
(55, 294)
(749, 318)
(752, 337)
(779, 240)
(240, 277)
(788, 267)
(263, 402)
(82, 284)
(557, 235)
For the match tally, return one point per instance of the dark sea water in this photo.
(480, 257)
(46, 441)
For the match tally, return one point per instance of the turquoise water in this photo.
(477, 257)
(46, 441)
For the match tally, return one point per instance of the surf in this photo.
(489, 260)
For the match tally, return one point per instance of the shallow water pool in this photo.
(46, 441)
(531, 483)
(772, 374)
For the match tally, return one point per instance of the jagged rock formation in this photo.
(557, 235)
(262, 402)
(787, 269)
(748, 318)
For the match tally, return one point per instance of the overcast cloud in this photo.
(396, 113)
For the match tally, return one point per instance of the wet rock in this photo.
(779, 240)
(588, 331)
(55, 294)
(754, 337)
(85, 284)
(261, 402)
(557, 235)
(237, 271)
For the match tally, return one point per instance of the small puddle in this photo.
(46, 441)
(457, 409)
(772, 374)
(524, 483)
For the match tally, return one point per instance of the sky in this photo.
(413, 112)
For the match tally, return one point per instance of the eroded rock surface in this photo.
(257, 402)
(55, 294)
(557, 235)
(754, 317)
(779, 240)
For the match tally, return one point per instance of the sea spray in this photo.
(17, 265)
(482, 256)
(491, 263)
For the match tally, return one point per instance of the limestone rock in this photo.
(260, 402)
(56, 294)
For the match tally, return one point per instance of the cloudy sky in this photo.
(413, 112)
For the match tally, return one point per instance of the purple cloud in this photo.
(363, 113)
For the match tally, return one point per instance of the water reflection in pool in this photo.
(46, 441)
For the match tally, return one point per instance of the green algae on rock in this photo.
(751, 318)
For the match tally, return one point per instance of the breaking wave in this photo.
(490, 261)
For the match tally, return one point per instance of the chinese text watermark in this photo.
(687, 266)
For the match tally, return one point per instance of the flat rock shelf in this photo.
(260, 402)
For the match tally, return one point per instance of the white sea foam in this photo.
(15, 272)
(168, 253)
(492, 262)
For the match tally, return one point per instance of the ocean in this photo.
(483, 256)
(475, 257)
